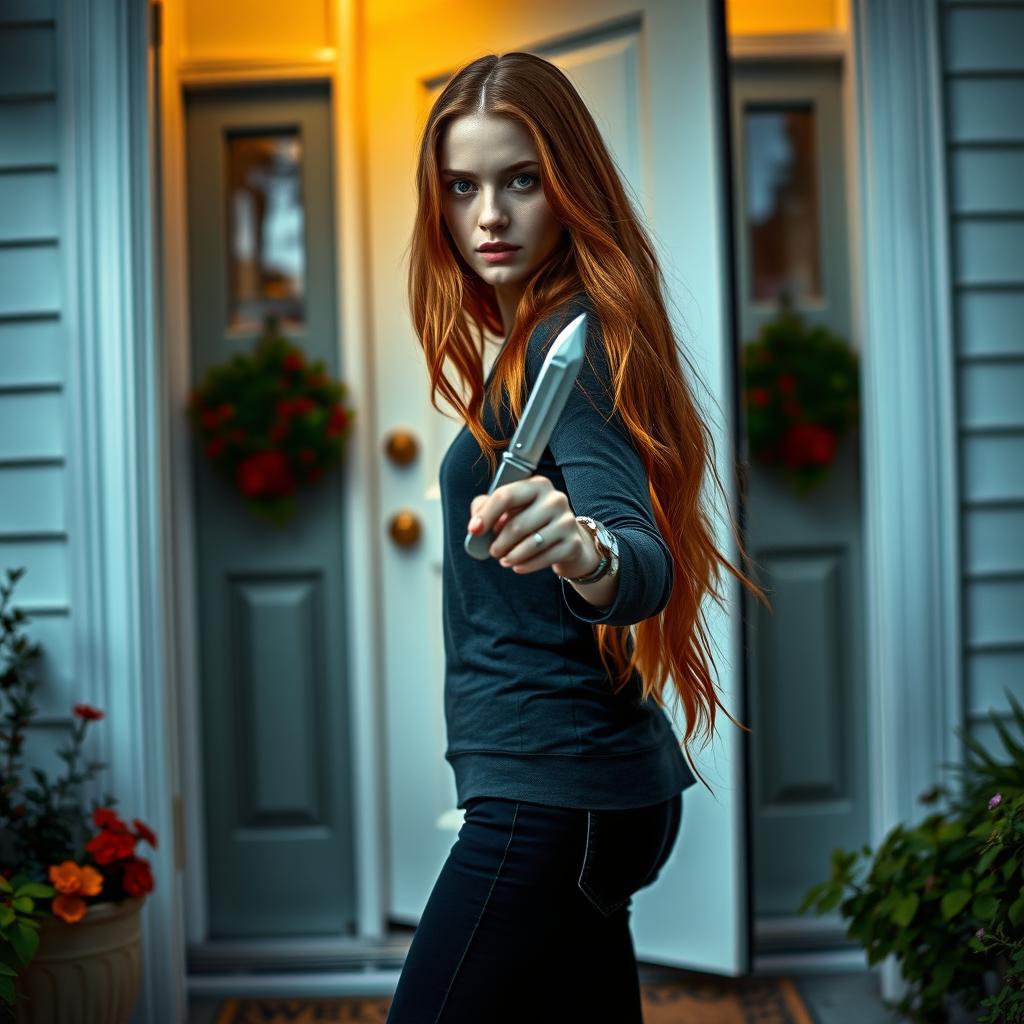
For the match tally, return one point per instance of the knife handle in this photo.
(510, 470)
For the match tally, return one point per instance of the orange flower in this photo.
(92, 881)
(68, 878)
(68, 908)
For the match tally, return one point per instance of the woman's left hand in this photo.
(516, 511)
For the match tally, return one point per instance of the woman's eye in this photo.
(454, 186)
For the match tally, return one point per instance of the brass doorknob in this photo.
(401, 446)
(405, 528)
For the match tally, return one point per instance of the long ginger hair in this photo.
(606, 253)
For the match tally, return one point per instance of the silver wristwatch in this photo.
(607, 547)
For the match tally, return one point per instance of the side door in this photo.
(649, 71)
(809, 789)
(274, 693)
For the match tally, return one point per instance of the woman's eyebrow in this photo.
(505, 170)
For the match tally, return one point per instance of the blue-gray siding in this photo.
(33, 350)
(983, 76)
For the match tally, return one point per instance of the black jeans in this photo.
(529, 917)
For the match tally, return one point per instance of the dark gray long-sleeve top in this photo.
(529, 708)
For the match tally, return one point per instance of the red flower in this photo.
(303, 405)
(109, 846)
(215, 447)
(808, 443)
(759, 396)
(209, 419)
(144, 832)
(225, 411)
(338, 420)
(279, 431)
(265, 473)
(88, 712)
(293, 362)
(137, 879)
(786, 383)
(107, 818)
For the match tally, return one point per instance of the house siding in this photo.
(33, 353)
(983, 84)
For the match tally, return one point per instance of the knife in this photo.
(547, 400)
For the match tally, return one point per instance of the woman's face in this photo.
(491, 192)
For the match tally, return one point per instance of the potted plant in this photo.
(71, 880)
(946, 896)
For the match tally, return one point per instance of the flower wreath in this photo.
(801, 394)
(271, 422)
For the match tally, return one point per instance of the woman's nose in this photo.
(491, 213)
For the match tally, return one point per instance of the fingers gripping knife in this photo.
(543, 407)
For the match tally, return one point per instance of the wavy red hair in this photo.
(606, 252)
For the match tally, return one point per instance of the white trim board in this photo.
(115, 496)
(910, 483)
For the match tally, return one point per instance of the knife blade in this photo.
(540, 414)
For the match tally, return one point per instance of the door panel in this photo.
(273, 687)
(648, 73)
(809, 787)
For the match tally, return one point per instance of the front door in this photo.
(649, 71)
(274, 705)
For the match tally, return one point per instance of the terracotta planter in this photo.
(87, 972)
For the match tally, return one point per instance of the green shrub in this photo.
(946, 897)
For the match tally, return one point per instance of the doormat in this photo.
(700, 997)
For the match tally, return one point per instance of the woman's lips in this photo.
(501, 256)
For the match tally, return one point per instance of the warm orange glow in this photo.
(263, 29)
(768, 16)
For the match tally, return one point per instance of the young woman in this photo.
(559, 646)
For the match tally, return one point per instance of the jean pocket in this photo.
(625, 850)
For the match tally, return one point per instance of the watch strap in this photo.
(606, 564)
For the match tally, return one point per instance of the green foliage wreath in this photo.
(271, 422)
(801, 394)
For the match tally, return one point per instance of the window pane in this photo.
(266, 254)
(783, 218)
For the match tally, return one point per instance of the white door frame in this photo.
(834, 48)
(340, 68)
(128, 449)
(902, 328)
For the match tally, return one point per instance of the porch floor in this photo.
(845, 998)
